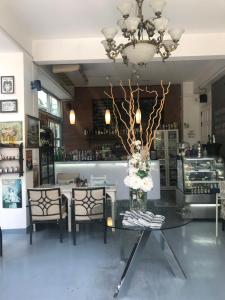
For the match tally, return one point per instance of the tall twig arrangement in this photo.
(125, 113)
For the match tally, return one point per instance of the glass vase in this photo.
(138, 200)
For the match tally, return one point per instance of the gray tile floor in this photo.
(49, 270)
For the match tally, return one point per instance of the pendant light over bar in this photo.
(72, 117)
(138, 116)
(107, 117)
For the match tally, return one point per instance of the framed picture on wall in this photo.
(7, 84)
(8, 106)
(32, 132)
(11, 132)
(11, 193)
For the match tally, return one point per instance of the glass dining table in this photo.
(174, 217)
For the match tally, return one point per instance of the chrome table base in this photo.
(135, 255)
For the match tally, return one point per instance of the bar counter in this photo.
(115, 172)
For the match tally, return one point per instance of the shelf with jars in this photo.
(98, 152)
(11, 159)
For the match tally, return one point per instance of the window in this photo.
(43, 100)
(50, 114)
(54, 106)
(49, 103)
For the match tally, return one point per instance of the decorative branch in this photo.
(126, 116)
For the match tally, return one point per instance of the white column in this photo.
(191, 114)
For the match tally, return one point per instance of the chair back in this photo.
(44, 203)
(67, 178)
(97, 180)
(88, 203)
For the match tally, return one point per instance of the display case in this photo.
(165, 144)
(198, 183)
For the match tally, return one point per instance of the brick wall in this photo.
(73, 135)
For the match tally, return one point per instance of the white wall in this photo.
(12, 64)
(21, 66)
(191, 114)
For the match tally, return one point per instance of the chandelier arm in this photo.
(114, 50)
(165, 55)
(149, 27)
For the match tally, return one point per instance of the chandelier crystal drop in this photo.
(145, 37)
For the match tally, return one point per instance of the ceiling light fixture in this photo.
(145, 37)
(107, 117)
(107, 111)
(138, 116)
(72, 117)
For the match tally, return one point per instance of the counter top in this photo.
(115, 172)
(94, 162)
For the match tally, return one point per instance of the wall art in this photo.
(8, 106)
(7, 84)
(11, 193)
(11, 133)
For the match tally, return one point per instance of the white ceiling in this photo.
(85, 18)
(56, 19)
(173, 71)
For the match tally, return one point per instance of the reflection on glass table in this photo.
(174, 217)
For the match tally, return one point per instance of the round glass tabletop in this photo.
(174, 216)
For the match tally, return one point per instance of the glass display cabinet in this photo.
(165, 144)
(198, 183)
(46, 157)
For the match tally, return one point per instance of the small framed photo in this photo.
(8, 106)
(7, 84)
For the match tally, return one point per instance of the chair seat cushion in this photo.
(51, 218)
(89, 218)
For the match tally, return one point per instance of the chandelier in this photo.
(145, 38)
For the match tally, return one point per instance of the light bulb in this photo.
(72, 117)
(138, 116)
(107, 117)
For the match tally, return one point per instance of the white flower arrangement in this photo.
(139, 177)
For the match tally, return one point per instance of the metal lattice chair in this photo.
(88, 205)
(220, 197)
(45, 206)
